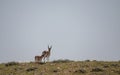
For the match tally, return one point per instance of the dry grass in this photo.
(61, 67)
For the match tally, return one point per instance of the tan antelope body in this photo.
(47, 53)
(38, 58)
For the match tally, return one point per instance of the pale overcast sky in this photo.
(77, 29)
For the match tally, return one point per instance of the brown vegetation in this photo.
(61, 67)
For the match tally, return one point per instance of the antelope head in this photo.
(49, 48)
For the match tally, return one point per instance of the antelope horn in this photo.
(51, 46)
(48, 46)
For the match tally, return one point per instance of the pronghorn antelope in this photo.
(47, 53)
(38, 58)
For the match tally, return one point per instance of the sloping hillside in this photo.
(61, 67)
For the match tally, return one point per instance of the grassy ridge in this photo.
(61, 67)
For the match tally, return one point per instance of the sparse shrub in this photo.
(70, 71)
(31, 62)
(62, 61)
(31, 69)
(87, 60)
(17, 69)
(94, 60)
(105, 66)
(114, 65)
(97, 70)
(55, 70)
(11, 63)
(80, 71)
(118, 72)
(85, 65)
